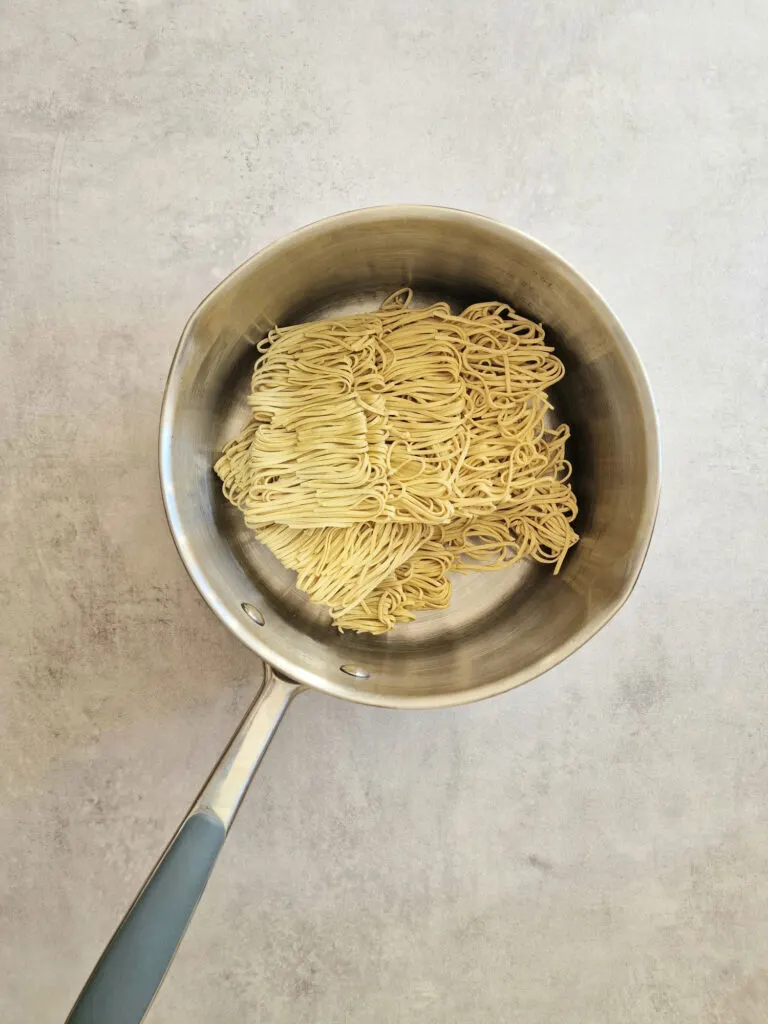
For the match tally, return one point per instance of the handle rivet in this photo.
(253, 613)
(356, 671)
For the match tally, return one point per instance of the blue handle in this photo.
(124, 981)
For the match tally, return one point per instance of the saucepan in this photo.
(502, 629)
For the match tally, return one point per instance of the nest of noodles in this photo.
(388, 449)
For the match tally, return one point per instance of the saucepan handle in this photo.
(132, 967)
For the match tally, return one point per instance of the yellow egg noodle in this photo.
(388, 449)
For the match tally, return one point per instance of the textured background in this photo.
(592, 848)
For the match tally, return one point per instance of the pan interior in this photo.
(501, 628)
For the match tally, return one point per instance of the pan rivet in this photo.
(253, 613)
(355, 670)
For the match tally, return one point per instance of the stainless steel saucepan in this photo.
(502, 628)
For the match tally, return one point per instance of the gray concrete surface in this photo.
(592, 848)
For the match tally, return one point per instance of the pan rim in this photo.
(258, 642)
